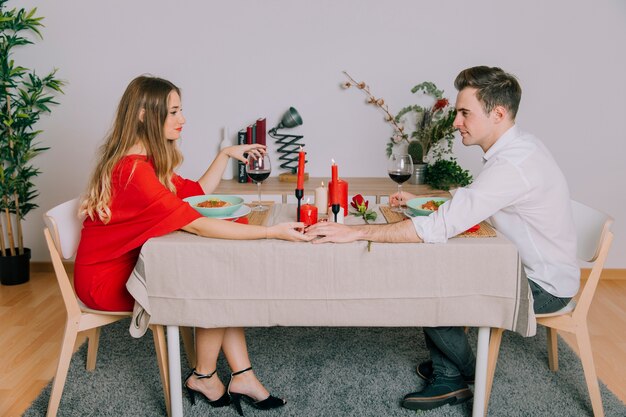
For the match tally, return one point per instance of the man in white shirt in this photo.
(520, 190)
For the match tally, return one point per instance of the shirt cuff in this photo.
(426, 230)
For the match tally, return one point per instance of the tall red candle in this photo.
(308, 214)
(301, 158)
(332, 186)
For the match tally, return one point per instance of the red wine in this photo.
(260, 175)
(399, 176)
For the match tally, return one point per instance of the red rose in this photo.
(359, 203)
(440, 104)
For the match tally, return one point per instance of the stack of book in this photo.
(254, 133)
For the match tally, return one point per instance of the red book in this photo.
(261, 131)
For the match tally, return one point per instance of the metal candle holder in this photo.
(299, 195)
(335, 209)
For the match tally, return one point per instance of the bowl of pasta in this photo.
(215, 205)
(424, 206)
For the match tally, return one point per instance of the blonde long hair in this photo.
(143, 93)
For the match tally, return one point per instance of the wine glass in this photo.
(258, 169)
(399, 168)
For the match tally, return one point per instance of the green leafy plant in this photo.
(416, 150)
(24, 97)
(433, 126)
(445, 174)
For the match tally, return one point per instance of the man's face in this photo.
(476, 126)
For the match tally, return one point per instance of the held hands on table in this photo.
(340, 233)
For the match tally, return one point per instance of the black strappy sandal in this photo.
(224, 400)
(266, 404)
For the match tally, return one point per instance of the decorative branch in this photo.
(379, 102)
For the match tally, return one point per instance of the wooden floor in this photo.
(32, 318)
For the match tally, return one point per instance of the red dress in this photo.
(141, 208)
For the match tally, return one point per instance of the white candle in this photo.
(321, 199)
(229, 171)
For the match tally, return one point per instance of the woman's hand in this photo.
(400, 199)
(288, 231)
(238, 151)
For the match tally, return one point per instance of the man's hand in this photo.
(400, 199)
(333, 232)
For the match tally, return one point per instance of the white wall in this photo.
(240, 60)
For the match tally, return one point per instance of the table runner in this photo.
(485, 229)
(183, 279)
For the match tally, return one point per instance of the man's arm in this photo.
(401, 232)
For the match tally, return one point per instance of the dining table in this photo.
(185, 280)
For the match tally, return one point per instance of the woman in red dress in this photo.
(135, 195)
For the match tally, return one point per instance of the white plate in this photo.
(240, 212)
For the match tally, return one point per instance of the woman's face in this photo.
(175, 120)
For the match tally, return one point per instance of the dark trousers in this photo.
(450, 350)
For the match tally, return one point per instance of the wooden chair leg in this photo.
(158, 334)
(189, 344)
(553, 349)
(586, 357)
(93, 337)
(67, 347)
(494, 351)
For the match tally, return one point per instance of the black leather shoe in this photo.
(441, 390)
(425, 371)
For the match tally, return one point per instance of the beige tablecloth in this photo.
(186, 280)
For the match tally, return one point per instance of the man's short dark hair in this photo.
(495, 87)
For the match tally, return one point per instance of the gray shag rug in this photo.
(327, 372)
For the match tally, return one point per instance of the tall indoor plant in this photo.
(24, 97)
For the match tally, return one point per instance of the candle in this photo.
(301, 157)
(332, 189)
(308, 214)
(321, 199)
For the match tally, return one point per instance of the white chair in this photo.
(594, 240)
(62, 234)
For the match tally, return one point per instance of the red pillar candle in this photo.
(339, 189)
(301, 159)
(308, 214)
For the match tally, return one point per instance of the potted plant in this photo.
(24, 97)
(429, 138)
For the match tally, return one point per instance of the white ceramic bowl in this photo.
(415, 204)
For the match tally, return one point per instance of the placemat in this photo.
(259, 218)
(485, 229)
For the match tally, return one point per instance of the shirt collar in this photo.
(502, 142)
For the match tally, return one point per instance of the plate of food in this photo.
(240, 212)
(215, 205)
(424, 206)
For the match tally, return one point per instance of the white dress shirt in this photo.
(524, 195)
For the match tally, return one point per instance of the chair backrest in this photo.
(65, 224)
(591, 228)
(62, 233)
(593, 231)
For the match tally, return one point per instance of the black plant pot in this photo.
(15, 269)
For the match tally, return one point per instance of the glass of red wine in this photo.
(258, 169)
(400, 168)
